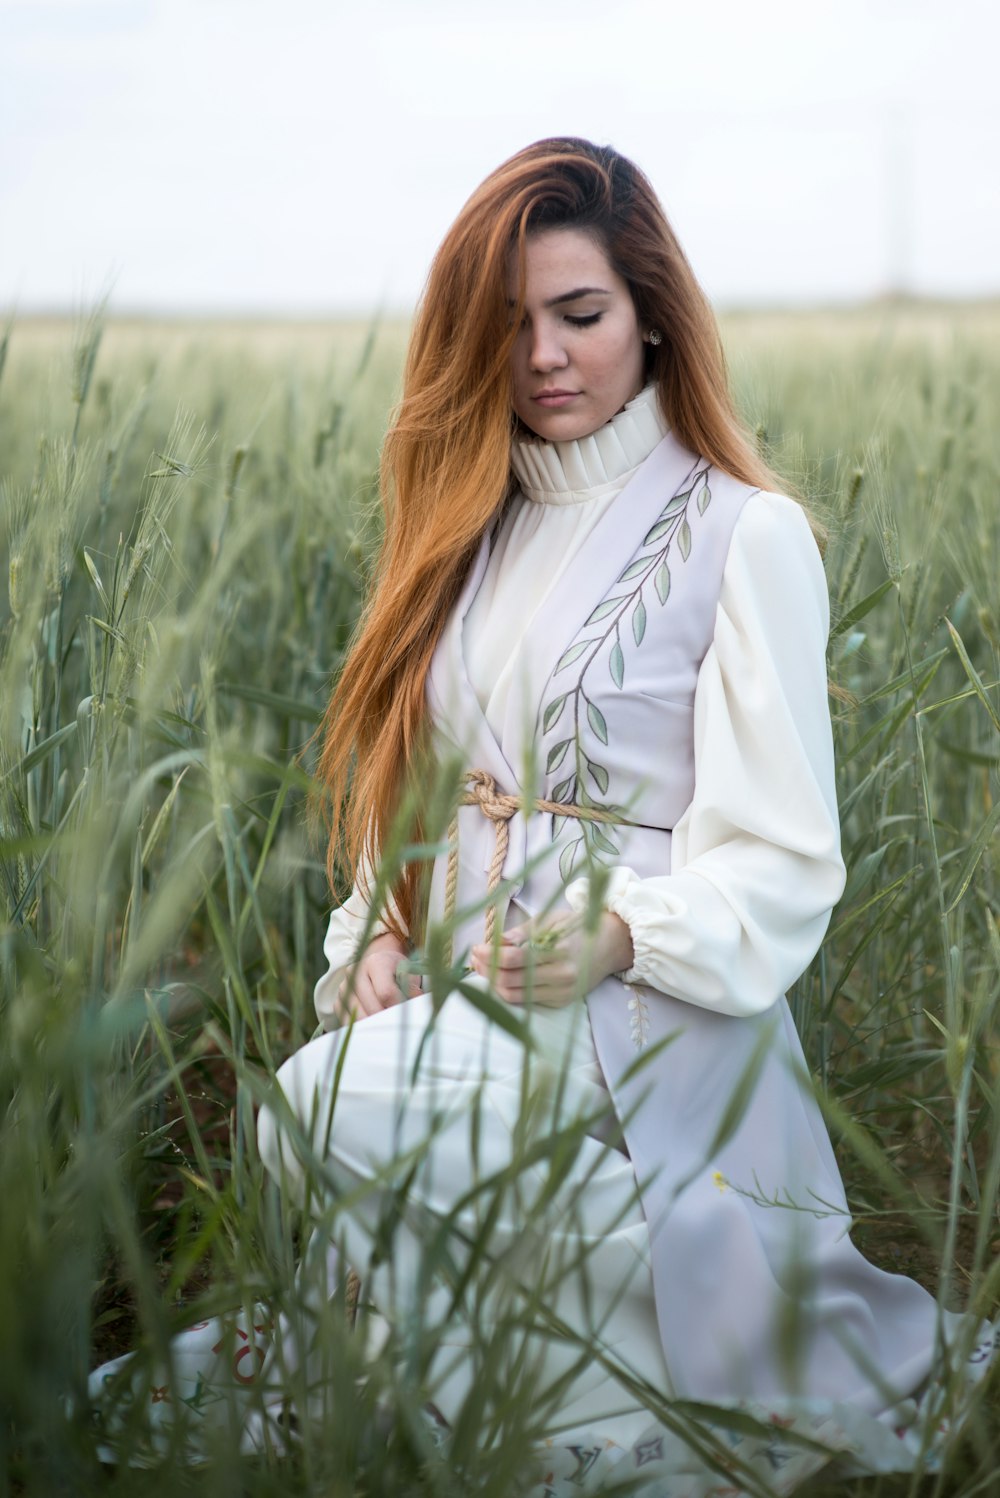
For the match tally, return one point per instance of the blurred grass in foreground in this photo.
(187, 516)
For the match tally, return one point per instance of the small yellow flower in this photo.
(719, 1180)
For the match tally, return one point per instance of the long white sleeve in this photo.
(755, 866)
(340, 948)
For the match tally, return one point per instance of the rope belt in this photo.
(498, 808)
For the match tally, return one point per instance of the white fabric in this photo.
(756, 853)
(564, 473)
(471, 1091)
(566, 488)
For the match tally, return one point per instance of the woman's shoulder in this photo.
(771, 515)
(774, 558)
(773, 527)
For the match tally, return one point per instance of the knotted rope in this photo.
(352, 1293)
(498, 808)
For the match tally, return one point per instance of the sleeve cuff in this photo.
(619, 898)
(343, 935)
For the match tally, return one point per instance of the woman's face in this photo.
(578, 357)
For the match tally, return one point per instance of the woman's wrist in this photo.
(616, 942)
(387, 942)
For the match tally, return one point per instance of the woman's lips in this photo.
(552, 398)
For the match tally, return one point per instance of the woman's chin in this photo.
(563, 425)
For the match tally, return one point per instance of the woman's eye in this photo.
(586, 320)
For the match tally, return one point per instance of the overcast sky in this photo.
(307, 155)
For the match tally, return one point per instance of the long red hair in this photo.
(445, 470)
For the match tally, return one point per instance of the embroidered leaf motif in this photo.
(567, 859)
(638, 1018)
(664, 524)
(602, 841)
(572, 654)
(596, 720)
(639, 621)
(600, 776)
(556, 755)
(604, 642)
(604, 609)
(554, 712)
(656, 532)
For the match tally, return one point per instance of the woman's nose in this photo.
(546, 351)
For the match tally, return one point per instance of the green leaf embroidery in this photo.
(672, 525)
(667, 517)
(596, 720)
(600, 776)
(556, 755)
(602, 841)
(603, 610)
(569, 656)
(554, 712)
(567, 859)
(639, 621)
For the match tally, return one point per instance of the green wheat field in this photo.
(188, 513)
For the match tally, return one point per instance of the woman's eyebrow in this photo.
(571, 296)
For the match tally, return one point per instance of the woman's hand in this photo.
(555, 961)
(372, 985)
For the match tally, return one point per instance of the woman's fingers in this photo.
(375, 984)
(511, 958)
(528, 951)
(562, 990)
(555, 960)
(356, 997)
(552, 980)
(559, 973)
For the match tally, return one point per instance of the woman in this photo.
(586, 569)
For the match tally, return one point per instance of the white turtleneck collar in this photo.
(566, 473)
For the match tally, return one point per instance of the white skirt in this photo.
(465, 1098)
(460, 1097)
(469, 1119)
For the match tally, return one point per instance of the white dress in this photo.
(723, 922)
(720, 921)
(716, 921)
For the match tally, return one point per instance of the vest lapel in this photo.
(586, 582)
(459, 719)
(453, 703)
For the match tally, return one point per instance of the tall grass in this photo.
(187, 525)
